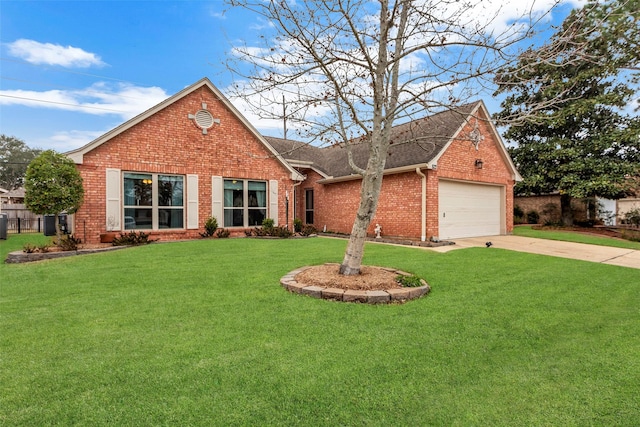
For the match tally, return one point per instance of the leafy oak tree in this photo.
(53, 185)
(352, 69)
(15, 156)
(572, 134)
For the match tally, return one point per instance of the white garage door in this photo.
(469, 210)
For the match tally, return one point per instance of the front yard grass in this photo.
(201, 333)
(572, 236)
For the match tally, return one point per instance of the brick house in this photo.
(194, 155)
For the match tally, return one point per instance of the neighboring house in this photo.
(13, 196)
(194, 155)
(583, 210)
(614, 211)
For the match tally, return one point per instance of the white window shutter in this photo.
(114, 207)
(217, 193)
(273, 201)
(192, 202)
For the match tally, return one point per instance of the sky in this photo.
(71, 71)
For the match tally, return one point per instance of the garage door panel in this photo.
(468, 210)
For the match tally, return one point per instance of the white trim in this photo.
(113, 190)
(217, 194)
(192, 202)
(273, 201)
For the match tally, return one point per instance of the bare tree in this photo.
(352, 68)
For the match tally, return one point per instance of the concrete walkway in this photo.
(594, 253)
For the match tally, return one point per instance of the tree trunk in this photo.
(369, 192)
(58, 230)
(565, 210)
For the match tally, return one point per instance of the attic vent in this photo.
(204, 119)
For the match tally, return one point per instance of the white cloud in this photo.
(69, 140)
(53, 54)
(123, 100)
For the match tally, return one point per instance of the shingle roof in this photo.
(412, 143)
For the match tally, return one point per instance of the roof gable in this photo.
(77, 155)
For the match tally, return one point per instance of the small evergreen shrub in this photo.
(297, 225)
(518, 215)
(133, 238)
(268, 224)
(533, 217)
(210, 227)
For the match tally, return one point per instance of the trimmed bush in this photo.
(210, 227)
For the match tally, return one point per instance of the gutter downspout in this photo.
(423, 206)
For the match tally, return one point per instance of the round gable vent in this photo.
(204, 119)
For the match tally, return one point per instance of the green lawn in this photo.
(201, 333)
(571, 236)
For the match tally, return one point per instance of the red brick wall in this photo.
(336, 204)
(458, 162)
(168, 142)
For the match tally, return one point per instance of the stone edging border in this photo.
(389, 296)
(18, 257)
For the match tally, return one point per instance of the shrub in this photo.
(632, 235)
(222, 233)
(268, 224)
(517, 211)
(29, 248)
(308, 230)
(268, 229)
(69, 243)
(133, 238)
(297, 225)
(411, 281)
(210, 227)
(633, 217)
(282, 232)
(518, 215)
(533, 217)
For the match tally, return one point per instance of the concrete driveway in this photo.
(602, 254)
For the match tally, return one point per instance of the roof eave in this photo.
(391, 171)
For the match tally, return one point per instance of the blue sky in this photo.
(72, 70)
